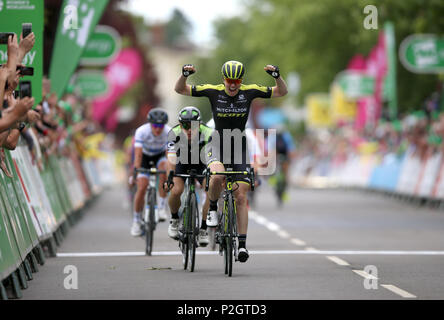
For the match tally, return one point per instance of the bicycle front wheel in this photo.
(193, 231)
(150, 225)
(229, 250)
(183, 237)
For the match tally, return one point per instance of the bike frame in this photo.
(149, 219)
(187, 240)
(229, 234)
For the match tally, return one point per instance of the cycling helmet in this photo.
(188, 114)
(211, 124)
(233, 70)
(157, 115)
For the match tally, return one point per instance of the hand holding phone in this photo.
(4, 36)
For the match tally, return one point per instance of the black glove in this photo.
(275, 74)
(186, 73)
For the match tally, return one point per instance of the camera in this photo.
(4, 37)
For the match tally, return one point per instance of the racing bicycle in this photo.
(226, 231)
(189, 223)
(149, 218)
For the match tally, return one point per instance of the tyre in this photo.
(183, 237)
(150, 225)
(230, 236)
(193, 230)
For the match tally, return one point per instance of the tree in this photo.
(317, 39)
(177, 28)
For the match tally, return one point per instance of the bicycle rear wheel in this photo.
(221, 234)
(193, 231)
(150, 225)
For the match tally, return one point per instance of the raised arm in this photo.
(281, 87)
(181, 86)
(25, 45)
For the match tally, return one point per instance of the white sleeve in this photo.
(253, 145)
(139, 137)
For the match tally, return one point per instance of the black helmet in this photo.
(233, 70)
(157, 115)
(188, 114)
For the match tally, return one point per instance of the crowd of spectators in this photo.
(51, 126)
(419, 134)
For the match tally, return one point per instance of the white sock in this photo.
(162, 202)
(137, 216)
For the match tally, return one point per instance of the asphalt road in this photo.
(322, 244)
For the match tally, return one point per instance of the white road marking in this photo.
(364, 274)
(298, 242)
(296, 252)
(398, 291)
(283, 234)
(338, 261)
(311, 249)
(272, 226)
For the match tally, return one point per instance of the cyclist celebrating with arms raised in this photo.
(230, 105)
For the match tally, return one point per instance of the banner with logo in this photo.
(121, 74)
(90, 83)
(422, 53)
(343, 109)
(78, 18)
(356, 84)
(12, 14)
(102, 47)
(318, 107)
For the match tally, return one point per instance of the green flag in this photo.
(390, 80)
(12, 14)
(78, 18)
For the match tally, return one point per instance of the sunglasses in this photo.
(158, 125)
(233, 81)
(186, 125)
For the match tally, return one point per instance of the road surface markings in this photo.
(307, 251)
(298, 242)
(283, 234)
(338, 261)
(398, 291)
(364, 274)
(274, 227)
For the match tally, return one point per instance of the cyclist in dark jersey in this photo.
(180, 139)
(230, 105)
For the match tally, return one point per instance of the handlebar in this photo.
(249, 172)
(172, 174)
(149, 171)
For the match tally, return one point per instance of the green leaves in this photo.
(317, 39)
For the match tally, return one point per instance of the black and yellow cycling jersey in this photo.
(231, 112)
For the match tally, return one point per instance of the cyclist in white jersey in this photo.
(150, 150)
